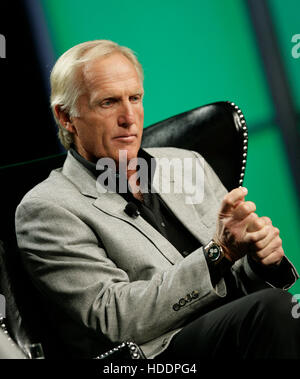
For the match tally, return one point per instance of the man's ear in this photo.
(64, 119)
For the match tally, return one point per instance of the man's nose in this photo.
(126, 116)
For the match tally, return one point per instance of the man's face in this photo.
(111, 110)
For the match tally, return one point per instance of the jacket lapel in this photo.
(186, 213)
(188, 216)
(80, 177)
(113, 204)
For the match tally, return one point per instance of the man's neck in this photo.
(134, 181)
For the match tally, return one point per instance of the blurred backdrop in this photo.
(193, 52)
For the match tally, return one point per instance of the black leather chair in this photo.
(218, 131)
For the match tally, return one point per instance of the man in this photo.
(173, 279)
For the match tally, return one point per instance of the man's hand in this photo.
(236, 217)
(240, 231)
(266, 244)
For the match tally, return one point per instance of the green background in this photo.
(195, 52)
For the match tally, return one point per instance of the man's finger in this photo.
(267, 220)
(272, 234)
(274, 244)
(243, 209)
(232, 199)
(274, 258)
(258, 235)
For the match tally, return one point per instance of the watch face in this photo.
(214, 253)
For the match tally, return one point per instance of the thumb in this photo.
(232, 200)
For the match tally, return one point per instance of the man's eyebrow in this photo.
(108, 95)
(138, 92)
(102, 96)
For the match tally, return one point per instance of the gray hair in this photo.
(66, 80)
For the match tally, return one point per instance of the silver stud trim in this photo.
(243, 125)
(5, 331)
(134, 352)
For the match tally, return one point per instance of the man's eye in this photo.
(107, 103)
(135, 98)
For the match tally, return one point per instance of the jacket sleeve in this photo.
(68, 264)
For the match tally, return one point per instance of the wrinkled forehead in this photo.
(109, 70)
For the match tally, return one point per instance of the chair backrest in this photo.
(218, 131)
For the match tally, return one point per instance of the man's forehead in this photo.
(109, 73)
(110, 66)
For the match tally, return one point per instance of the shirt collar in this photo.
(91, 166)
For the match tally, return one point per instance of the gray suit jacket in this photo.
(107, 277)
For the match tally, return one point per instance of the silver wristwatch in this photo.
(213, 252)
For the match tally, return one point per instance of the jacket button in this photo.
(195, 294)
(182, 302)
(176, 307)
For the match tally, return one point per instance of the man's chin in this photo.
(127, 153)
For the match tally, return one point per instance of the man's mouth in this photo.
(126, 138)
